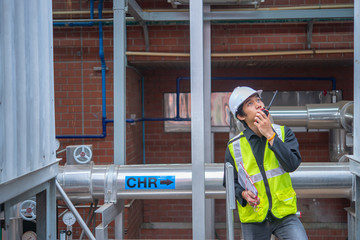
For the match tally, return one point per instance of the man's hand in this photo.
(251, 198)
(263, 123)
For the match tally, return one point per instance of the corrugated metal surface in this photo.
(27, 118)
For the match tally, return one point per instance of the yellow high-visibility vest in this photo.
(283, 195)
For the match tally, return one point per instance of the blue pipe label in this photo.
(149, 182)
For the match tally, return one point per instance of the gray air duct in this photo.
(316, 116)
(85, 183)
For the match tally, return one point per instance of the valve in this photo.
(28, 210)
(82, 154)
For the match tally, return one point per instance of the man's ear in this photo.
(240, 117)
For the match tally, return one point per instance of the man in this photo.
(266, 153)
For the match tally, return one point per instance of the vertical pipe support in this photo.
(50, 209)
(356, 122)
(230, 201)
(119, 82)
(355, 160)
(119, 15)
(209, 203)
(197, 118)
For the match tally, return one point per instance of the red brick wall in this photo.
(79, 111)
(78, 102)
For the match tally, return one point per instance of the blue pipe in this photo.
(92, 9)
(78, 24)
(73, 24)
(103, 63)
(103, 77)
(142, 116)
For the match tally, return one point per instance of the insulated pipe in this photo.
(85, 183)
(315, 116)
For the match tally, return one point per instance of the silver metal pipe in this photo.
(315, 116)
(337, 145)
(230, 201)
(85, 183)
(323, 180)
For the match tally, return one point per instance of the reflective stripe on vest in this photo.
(269, 174)
(237, 151)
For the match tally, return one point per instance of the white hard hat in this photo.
(239, 95)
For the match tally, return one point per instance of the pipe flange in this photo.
(347, 116)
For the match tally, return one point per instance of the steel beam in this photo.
(355, 159)
(26, 182)
(119, 13)
(135, 11)
(209, 203)
(230, 201)
(198, 118)
(251, 15)
(109, 211)
(119, 82)
(101, 232)
(281, 14)
(356, 80)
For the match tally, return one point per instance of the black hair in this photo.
(240, 112)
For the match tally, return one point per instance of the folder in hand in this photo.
(245, 180)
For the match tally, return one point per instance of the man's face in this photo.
(251, 106)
